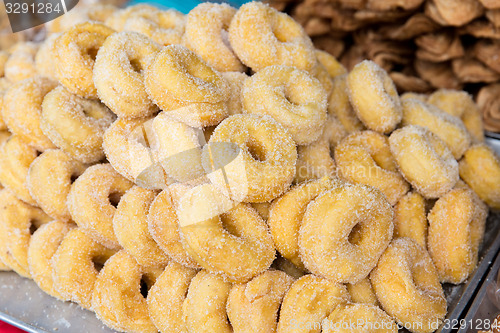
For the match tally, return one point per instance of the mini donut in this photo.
(407, 286)
(308, 301)
(480, 169)
(165, 28)
(131, 228)
(253, 307)
(410, 218)
(42, 247)
(362, 292)
(49, 180)
(224, 237)
(374, 97)
(167, 296)
(424, 160)
(264, 165)
(460, 104)
(358, 318)
(261, 36)
(18, 221)
(92, 200)
(21, 63)
(344, 232)
(76, 265)
(80, 44)
(44, 59)
(262, 208)
(286, 215)
(456, 229)
(333, 67)
(365, 158)
(206, 34)
(292, 97)
(447, 127)
(119, 74)
(340, 106)
(236, 81)
(17, 157)
(118, 299)
(22, 110)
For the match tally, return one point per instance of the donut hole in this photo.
(136, 65)
(91, 52)
(73, 178)
(91, 110)
(144, 288)
(98, 261)
(32, 229)
(355, 236)
(114, 198)
(256, 150)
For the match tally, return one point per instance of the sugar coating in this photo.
(21, 63)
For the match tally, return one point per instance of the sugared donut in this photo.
(76, 265)
(131, 228)
(118, 298)
(167, 296)
(80, 44)
(365, 157)
(49, 180)
(480, 169)
(340, 106)
(44, 60)
(407, 286)
(292, 97)
(447, 127)
(119, 74)
(261, 36)
(92, 201)
(253, 306)
(206, 34)
(22, 110)
(21, 63)
(374, 97)
(362, 292)
(236, 81)
(424, 160)
(456, 229)
(264, 163)
(308, 301)
(18, 221)
(410, 218)
(314, 161)
(358, 318)
(42, 247)
(344, 232)
(330, 63)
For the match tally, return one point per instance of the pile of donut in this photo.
(213, 172)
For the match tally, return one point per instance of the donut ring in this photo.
(92, 201)
(166, 298)
(340, 106)
(362, 292)
(333, 67)
(424, 160)
(21, 63)
(42, 247)
(292, 97)
(80, 44)
(49, 180)
(126, 55)
(410, 218)
(22, 110)
(253, 306)
(365, 158)
(76, 265)
(480, 169)
(131, 228)
(44, 59)
(447, 127)
(206, 34)
(359, 220)
(407, 286)
(456, 229)
(117, 297)
(374, 97)
(265, 163)
(358, 318)
(223, 237)
(261, 36)
(17, 222)
(236, 81)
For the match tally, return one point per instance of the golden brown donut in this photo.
(410, 218)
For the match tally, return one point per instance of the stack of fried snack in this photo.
(423, 44)
(214, 172)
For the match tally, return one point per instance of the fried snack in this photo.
(80, 44)
(131, 228)
(359, 318)
(49, 180)
(424, 160)
(374, 97)
(407, 286)
(92, 202)
(236, 81)
(340, 106)
(365, 158)
(44, 59)
(314, 161)
(456, 229)
(292, 97)
(253, 307)
(261, 36)
(22, 110)
(333, 67)
(206, 34)
(21, 63)
(362, 292)
(119, 74)
(480, 169)
(410, 218)
(344, 231)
